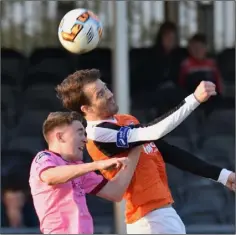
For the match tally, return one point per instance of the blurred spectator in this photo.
(14, 183)
(165, 66)
(166, 38)
(13, 203)
(159, 72)
(198, 67)
(17, 209)
(168, 55)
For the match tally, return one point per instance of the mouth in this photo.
(112, 101)
(81, 148)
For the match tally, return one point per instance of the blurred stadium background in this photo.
(32, 62)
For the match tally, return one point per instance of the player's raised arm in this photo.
(126, 137)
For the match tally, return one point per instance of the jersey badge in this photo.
(122, 137)
(41, 155)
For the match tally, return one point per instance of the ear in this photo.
(59, 136)
(85, 109)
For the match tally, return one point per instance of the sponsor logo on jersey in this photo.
(40, 155)
(150, 148)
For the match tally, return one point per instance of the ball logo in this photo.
(76, 28)
(84, 17)
(90, 35)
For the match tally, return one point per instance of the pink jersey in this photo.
(62, 208)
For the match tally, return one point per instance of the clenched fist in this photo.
(113, 163)
(204, 91)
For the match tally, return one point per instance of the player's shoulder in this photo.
(43, 156)
(127, 118)
(120, 120)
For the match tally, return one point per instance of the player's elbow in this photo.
(47, 180)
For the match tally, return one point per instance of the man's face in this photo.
(197, 50)
(74, 140)
(169, 40)
(102, 101)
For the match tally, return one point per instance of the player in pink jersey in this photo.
(59, 180)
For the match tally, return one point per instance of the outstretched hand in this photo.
(113, 163)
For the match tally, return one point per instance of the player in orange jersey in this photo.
(149, 202)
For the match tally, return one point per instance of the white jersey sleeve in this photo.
(128, 136)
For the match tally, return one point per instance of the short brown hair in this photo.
(198, 37)
(165, 28)
(57, 119)
(70, 91)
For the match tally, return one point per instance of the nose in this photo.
(85, 140)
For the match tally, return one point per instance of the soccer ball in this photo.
(80, 31)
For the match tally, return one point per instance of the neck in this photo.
(96, 118)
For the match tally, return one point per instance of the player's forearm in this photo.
(168, 122)
(188, 162)
(63, 174)
(116, 187)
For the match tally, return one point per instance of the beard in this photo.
(107, 110)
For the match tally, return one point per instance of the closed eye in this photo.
(81, 131)
(100, 93)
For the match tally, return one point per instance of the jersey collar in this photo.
(100, 121)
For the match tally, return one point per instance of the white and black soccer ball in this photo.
(80, 31)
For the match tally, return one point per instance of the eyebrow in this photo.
(80, 129)
(101, 89)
